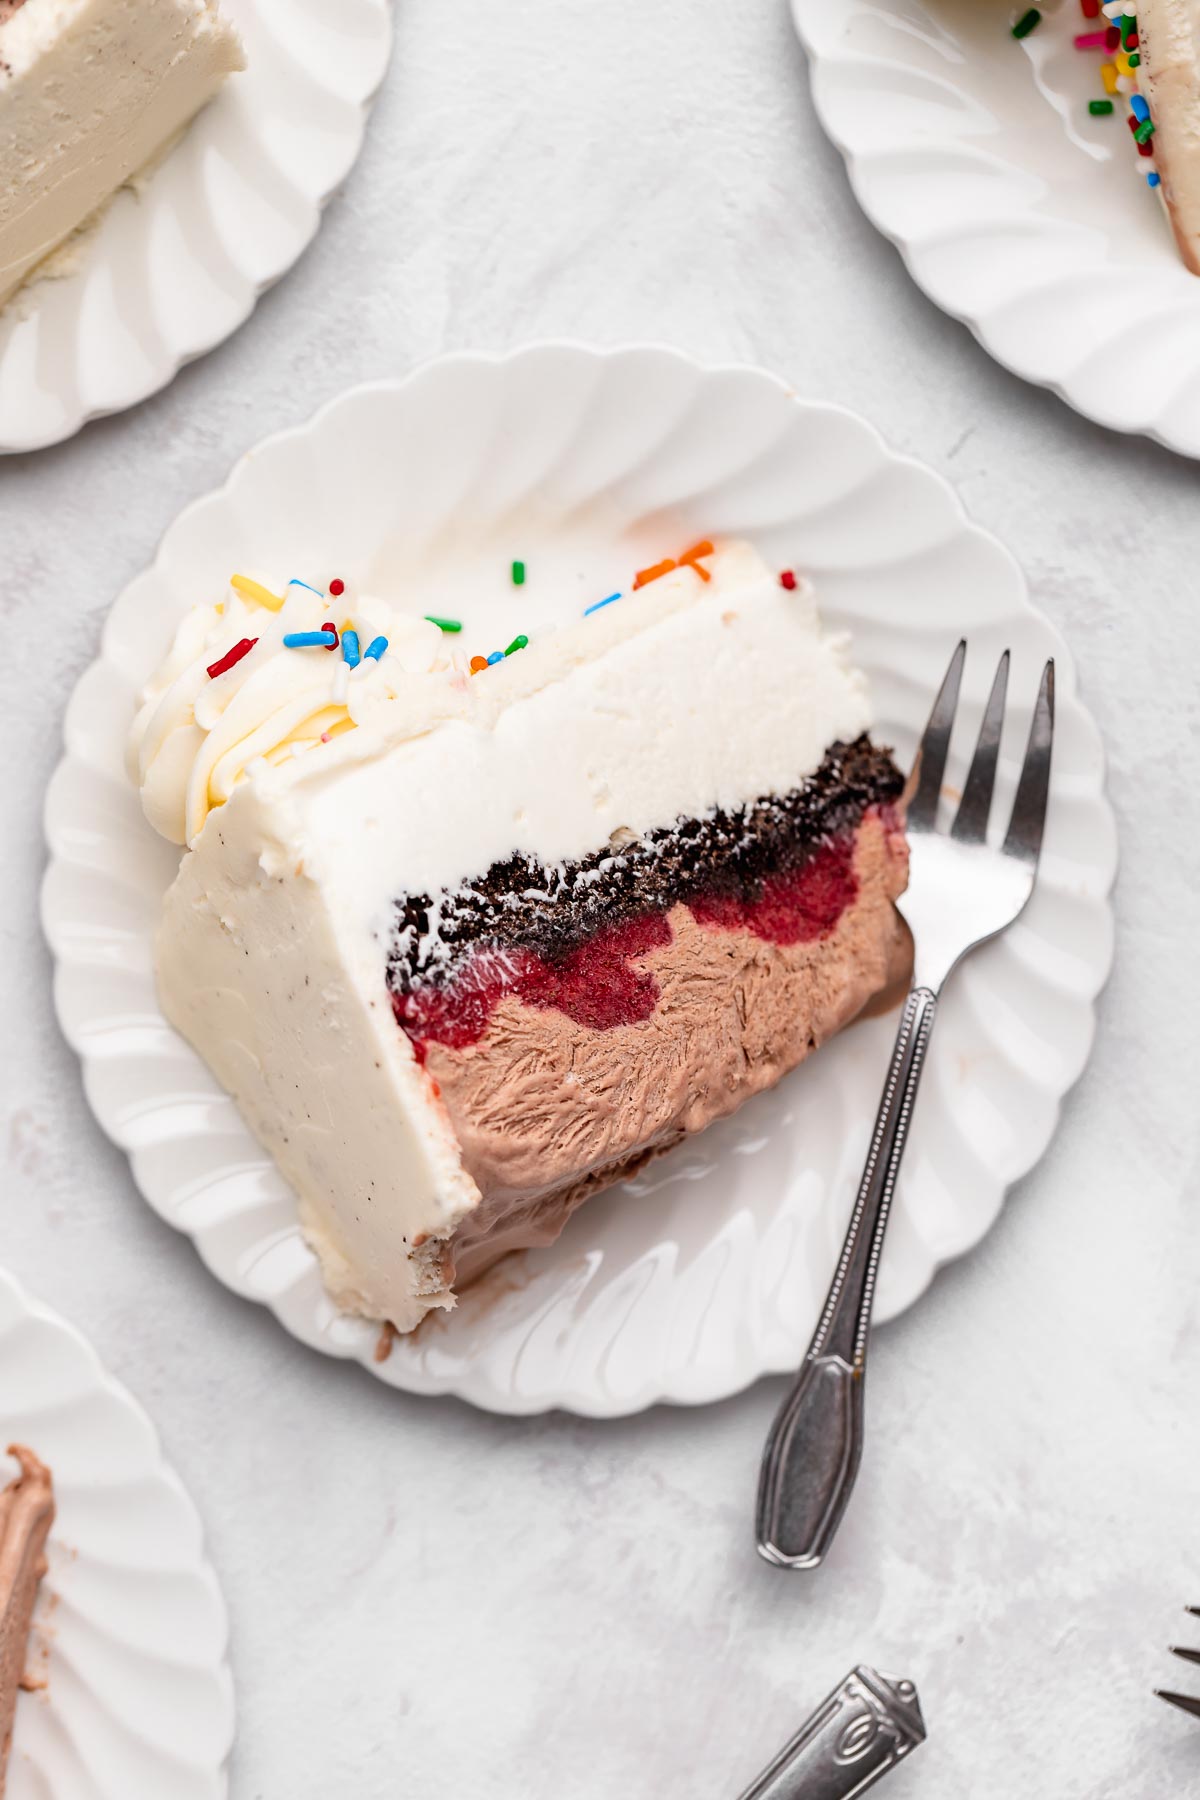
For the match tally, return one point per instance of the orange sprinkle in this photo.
(644, 576)
(691, 559)
(477, 663)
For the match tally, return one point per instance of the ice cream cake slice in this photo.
(469, 937)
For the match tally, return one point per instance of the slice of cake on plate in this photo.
(26, 1515)
(1169, 79)
(470, 937)
(90, 92)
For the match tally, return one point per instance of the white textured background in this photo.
(430, 1602)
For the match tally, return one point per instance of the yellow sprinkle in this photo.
(1108, 76)
(1124, 66)
(256, 593)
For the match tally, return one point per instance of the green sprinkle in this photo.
(518, 574)
(1135, 59)
(443, 624)
(1027, 22)
(518, 643)
(1145, 131)
(1098, 108)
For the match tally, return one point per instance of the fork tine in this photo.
(970, 826)
(1184, 1702)
(930, 764)
(1192, 1656)
(1029, 808)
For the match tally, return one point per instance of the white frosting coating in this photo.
(90, 92)
(272, 958)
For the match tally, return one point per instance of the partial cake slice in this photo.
(466, 947)
(26, 1515)
(90, 92)
(1169, 78)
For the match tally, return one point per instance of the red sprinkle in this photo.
(787, 580)
(337, 589)
(232, 656)
(330, 626)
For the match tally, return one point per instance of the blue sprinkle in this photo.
(1154, 178)
(599, 604)
(304, 584)
(309, 640)
(495, 657)
(350, 650)
(1138, 108)
(376, 648)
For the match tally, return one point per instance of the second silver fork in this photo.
(961, 893)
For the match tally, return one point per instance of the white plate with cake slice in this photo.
(1019, 209)
(350, 991)
(127, 1683)
(178, 219)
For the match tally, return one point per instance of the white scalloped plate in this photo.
(707, 1271)
(177, 264)
(1014, 210)
(130, 1630)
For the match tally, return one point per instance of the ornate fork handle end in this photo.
(863, 1729)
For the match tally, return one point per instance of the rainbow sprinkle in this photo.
(350, 649)
(256, 593)
(310, 640)
(296, 582)
(607, 601)
(231, 657)
(518, 574)
(518, 643)
(376, 649)
(443, 624)
(655, 572)
(689, 560)
(1027, 23)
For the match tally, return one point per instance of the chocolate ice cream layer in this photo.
(587, 1067)
(26, 1514)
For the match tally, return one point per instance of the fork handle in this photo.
(815, 1445)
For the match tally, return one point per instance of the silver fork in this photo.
(961, 893)
(1184, 1702)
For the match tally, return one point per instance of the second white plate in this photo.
(1015, 210)
(130, 1631)
(175, 265)
(708, 1270)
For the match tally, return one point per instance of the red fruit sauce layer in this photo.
(596, 984)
